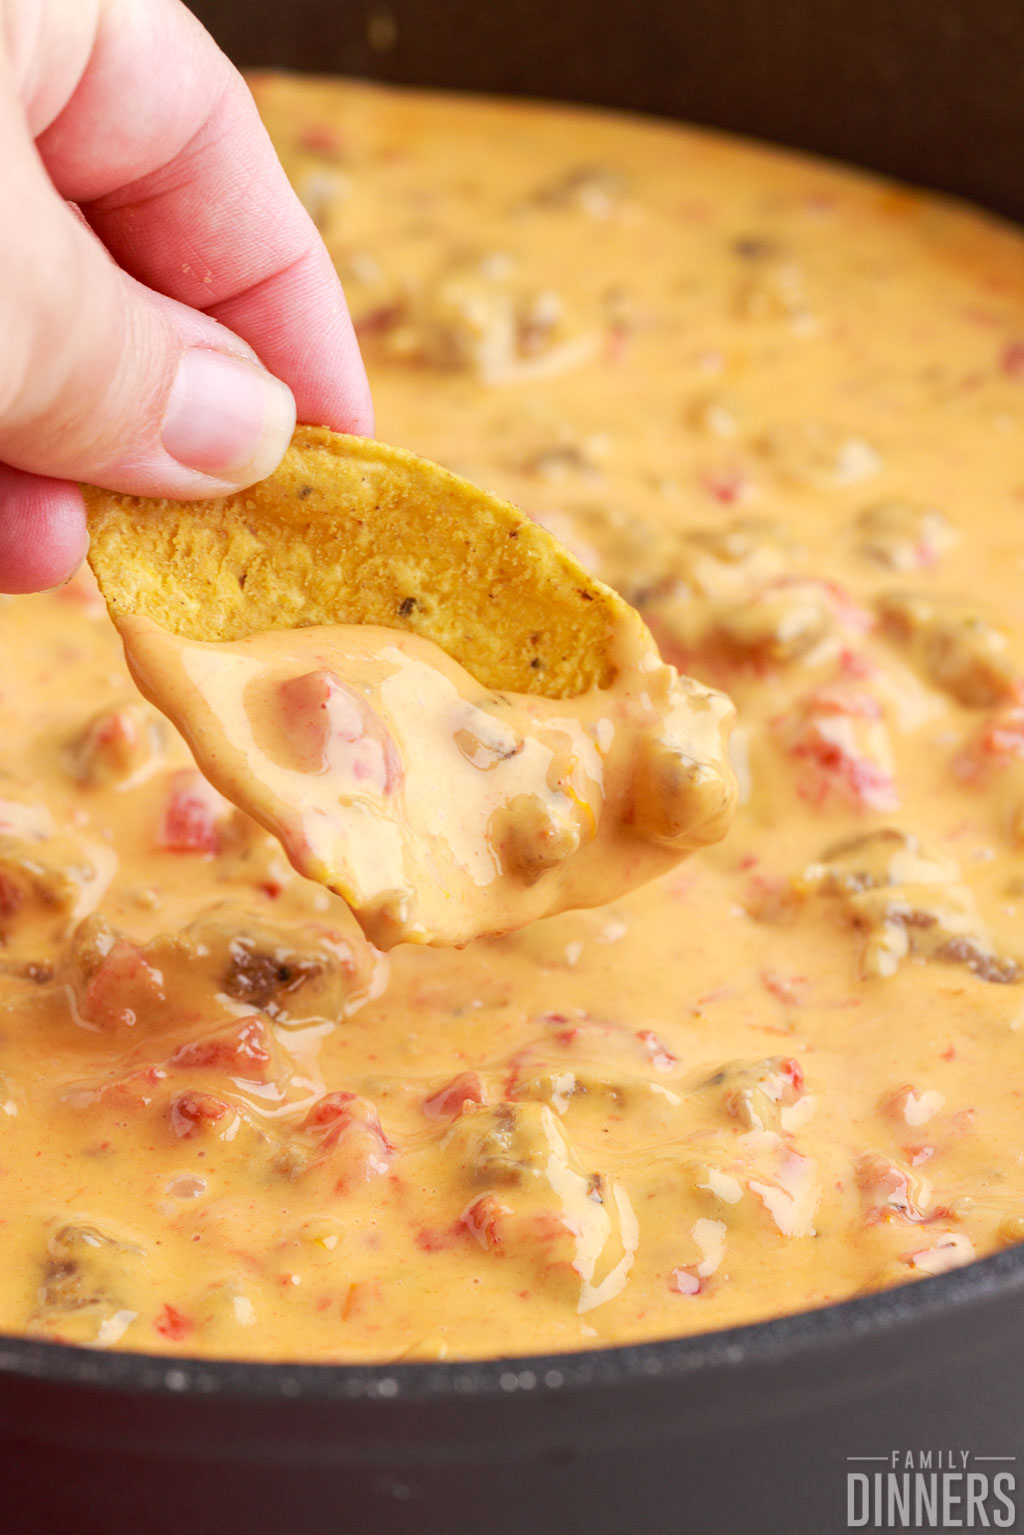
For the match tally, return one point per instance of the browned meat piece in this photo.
(910, 904)
(903, 535)
(955, 645)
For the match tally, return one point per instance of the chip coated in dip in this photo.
(438, 808)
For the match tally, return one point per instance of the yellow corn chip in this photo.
(349, 531)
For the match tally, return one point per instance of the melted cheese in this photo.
(442, 811)
(781, 406)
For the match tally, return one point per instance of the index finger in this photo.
(162, 148)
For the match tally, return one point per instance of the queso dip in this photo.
(780, 407)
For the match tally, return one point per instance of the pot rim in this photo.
(821, 1331)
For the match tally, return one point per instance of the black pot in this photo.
(748, 1430)
(759, 1429)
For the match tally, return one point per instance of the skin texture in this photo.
(146, 218)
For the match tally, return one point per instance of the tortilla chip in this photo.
(349, 531)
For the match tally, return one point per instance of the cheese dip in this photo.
(440, 809)
(778, 405)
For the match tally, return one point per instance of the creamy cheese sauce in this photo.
(780, 406)
(440, 810)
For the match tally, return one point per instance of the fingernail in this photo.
(226, 417)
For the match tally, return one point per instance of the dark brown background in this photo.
(931, 90)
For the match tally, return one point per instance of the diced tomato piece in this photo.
(242, 1048)
(838, 699)
(114, 728)
(889, 1189)
(192, 1112)
(173, 1325)
(122, 989)
(876, 1174)
(894, 1103)
(329, 725)
(727, 486)
(849, 611)
(190, 819)
(999, 742)
(329, 1111)
(517, 1064)
(908, 1105)
(483, 1219)
(868, 783)
(853, 664)
(341, 1119)
(448, 1101)
(1011, 359)
(793, 1072)
(658, 1052)
(828, 732)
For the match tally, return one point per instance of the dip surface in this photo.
(442, 810)
(779, 406)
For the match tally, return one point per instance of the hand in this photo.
(154, 265)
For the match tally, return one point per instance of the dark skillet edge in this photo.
(787, 1338)
(913, 91)
(926, 90)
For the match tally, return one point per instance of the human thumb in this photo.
(102, 379)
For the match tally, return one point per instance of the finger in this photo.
(43, 536)
(175, 172)
(102, 379)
